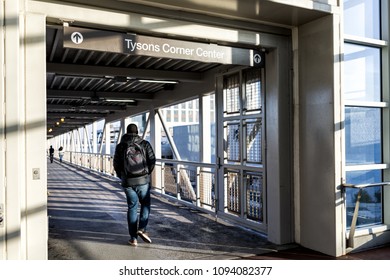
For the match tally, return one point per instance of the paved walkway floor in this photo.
(87, 221)
(300, 253)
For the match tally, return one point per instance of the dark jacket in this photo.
(119, 160)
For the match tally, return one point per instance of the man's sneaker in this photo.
(133, 242)
(144, 236)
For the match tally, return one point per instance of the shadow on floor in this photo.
(301, 253)
(87, 221)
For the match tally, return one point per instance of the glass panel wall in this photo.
(370, 208)
(183, 130)
(363, 98)
(363, 135)
(362, 18)
(362, 73)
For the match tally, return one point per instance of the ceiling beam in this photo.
(102, 71)
(80, 121)
(74, 94)
(86, 107)
(69, 125)
(74, 115)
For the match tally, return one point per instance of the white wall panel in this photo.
(14, 134)
(35, 156)
(319, 97)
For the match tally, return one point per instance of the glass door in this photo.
(241, 148)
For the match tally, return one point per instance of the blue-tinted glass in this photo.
(362, 18)
(363, 142)
(362, 73)
(370, 208)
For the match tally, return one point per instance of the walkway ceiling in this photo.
(84, 86)
(273, 12)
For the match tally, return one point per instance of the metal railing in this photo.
(188, 181)
(98, 162)
(360, 187)
(192, 183)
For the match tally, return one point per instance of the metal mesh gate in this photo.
(243, 145)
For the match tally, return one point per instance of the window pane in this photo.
(254, 197)
(253, 141)
(363, 135)
(252, 90)
(183, 130)
(362, 18)
(232, 140)
(232, 94)
(233, 191)
(370, 208)
(362, 73)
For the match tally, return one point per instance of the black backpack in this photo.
(135, 164)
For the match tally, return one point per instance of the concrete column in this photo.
(155, 141)
(94, 138)
(23, 191)
(86, 140)
(73, 141)
(322, 226)
(122, 130)
(35, 131)
(14, 208)
(279, 207)
(204, 123)
(2, 139)
(107, 133)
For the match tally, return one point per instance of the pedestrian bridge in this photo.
(87, 221)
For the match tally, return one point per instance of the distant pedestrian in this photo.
(51, 154)
(134, 161)
(61, 153)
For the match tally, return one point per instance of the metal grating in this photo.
(254, 197)
(253, 141)
(207, 188)
(232, 132)
(232, 186)
(232, 94)
(170, 186)
(253, 90)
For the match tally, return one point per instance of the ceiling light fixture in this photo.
(120, 100)
(120, 80)
(158, 81)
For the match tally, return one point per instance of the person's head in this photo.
(132, 128)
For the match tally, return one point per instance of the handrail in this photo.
(183, 162)
(351, 238)
(361, 186)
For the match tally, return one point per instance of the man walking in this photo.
(134, 161)
(51, 153)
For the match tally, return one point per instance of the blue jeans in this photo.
(134, 195)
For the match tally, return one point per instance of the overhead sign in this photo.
(105, 41)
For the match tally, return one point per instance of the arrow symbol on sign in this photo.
(77, 38)
(257, 58)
